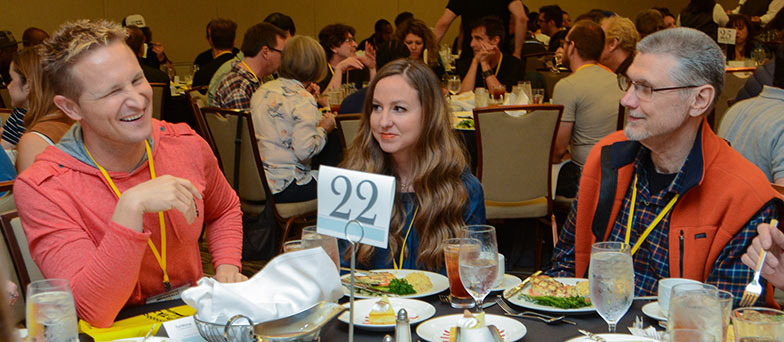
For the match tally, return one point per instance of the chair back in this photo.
(198, 100)
(537, 60)
(235, 152)
(157, 99)
(26, 269)
(514, 152)
(5, 97)
(5, 113)
(348, 125)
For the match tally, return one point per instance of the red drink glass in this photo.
(458, 296)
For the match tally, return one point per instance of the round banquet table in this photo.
(336, 330)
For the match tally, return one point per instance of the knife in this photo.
(511, 292)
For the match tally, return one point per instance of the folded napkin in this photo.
(288, 284)
(512, 99)
(463, 102)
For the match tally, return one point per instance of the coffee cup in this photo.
(665, 289)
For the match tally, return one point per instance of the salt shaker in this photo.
(402, 327)
(387, 338)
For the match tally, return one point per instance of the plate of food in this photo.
(395, 283)
(557, 295)
(376, 314)
(465, 124)
(443, 328)
(612, 338)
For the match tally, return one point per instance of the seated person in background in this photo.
(744, 41)
(667, 17)
(590, 98)
(277, 19)
(33, 36)
(620, 39)
(46, 124)
(754, 127)
(289, 127)
(405, 132)
(343, 64)
(135, 41)
(667, 154)
(421, 44)
(704, 15)
(102, 230)
(382, 33)
(489, 67)
(551, 24)
(220, 34)
(262, 46)
(649, 21)
(22, 71)
(154, 54)
(222, 30)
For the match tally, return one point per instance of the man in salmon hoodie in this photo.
(117, 207)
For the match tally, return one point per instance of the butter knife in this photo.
(511, 292)
(591, 336)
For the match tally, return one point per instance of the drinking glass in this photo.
(458, 296)
(312, 239)
(758, 324)
(611, 280)
(292, 246)
(478, 261)
(538, 97)
(453, 84)
(51, 315)
(758, 55)
(688, 335)
(497, 94)
(527, 89)
(481, 97)
(725, 301)
(557, 60)
(695, 306)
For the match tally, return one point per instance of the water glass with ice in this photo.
(478, 261)
(312, 239)
(695, 306)
(51, 314)
(611, 280)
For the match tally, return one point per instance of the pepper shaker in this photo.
(402, 327)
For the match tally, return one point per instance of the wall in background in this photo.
(180, 24)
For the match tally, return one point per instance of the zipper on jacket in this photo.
(681, 251)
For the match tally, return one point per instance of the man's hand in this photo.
(369, 60)
(160, 194)
(770, 239)
(229, 274)
(350, 63)
(157, 48)
(485, 52)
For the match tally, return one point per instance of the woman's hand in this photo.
(229, 274)
(327, 122)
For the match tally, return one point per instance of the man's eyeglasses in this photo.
(274, 49)
(565, 42)
(643, 91)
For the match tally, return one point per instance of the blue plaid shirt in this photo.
(651, 261)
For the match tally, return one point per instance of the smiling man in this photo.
(667, 185)
(118, 206)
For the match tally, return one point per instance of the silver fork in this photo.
(754, 289)
(530, 314)
(444, 299)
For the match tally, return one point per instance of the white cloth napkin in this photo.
(288, 284)
(510, 99)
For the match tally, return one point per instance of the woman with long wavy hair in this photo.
(405, 132)
(420, 41)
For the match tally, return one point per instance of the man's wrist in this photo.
(487, 73)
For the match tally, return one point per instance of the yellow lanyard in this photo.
(653, 224)
(251, 71)
(500, 59)
(162, 256)
(403, 248)
(589, 64)
(333, 72)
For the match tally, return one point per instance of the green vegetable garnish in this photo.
(398, 287)
(573, 302)
(466, 124)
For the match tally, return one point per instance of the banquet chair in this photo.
(5, 97)
(197, 100)
(157, 99)
(26, 269)
(5, 113)
(514, 163)
(348, 126)
(235, 140)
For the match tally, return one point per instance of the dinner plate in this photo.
(140, 339)
(613, 338)
(418, 311)
(518, 299)
(653, 310)
(508, 282)
(440, 283)
(437, 329)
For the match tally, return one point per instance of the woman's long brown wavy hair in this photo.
(439, 162)
(419, 28)
(28, 64)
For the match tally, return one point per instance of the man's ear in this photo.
(613, 44)
(496, 40)
(702, 100)
(68, 106)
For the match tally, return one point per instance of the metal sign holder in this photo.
(353, 269)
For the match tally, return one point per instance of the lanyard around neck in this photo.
(161, 257)
(333, 72)
(653, 224)
(251, 71)
(403, 248)
(498, 67)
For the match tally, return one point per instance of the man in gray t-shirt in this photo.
(590, 96)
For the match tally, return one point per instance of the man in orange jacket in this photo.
(667, 185)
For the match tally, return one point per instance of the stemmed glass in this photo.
(611, 280)
(478, 261)
(453, 84)
(51, 315)
(696, 306)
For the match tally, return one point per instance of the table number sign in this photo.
(727, 36)
(346, 195)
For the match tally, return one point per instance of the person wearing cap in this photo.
(33, 36)
(154, 54)
(8, 48)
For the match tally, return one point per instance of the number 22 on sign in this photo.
(346, 195)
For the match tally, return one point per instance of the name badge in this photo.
(364, 198)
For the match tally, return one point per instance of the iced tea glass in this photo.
(458, 296)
